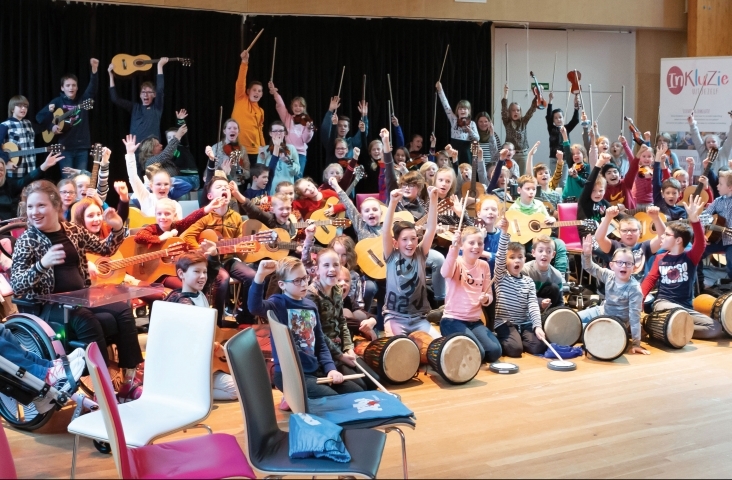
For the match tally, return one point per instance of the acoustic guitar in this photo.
(112, 270)
(474, 189)
(153, 267)
(125, 64)
(647, 227)
(247, 244)
(699, 190)
(524, 228)
(60, 118)
(136, 219)
(277, 248)
(16, 153)
(325, 233)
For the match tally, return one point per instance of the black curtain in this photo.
(41, 40)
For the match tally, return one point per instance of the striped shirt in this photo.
(722, 206)
(516, 300)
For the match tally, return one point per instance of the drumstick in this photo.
(443, 62)
(506, 46)
(391, 97)
(434, 116)
(592, 119)
(363, 89)
(255, 40)
(388, 107)
(550, 348)
(603, 108)
(340, 85)
(274, 52)
(622, 115)
(221, 113)
(555, 74)
(462, 213)
(345, 377)
(376, 382)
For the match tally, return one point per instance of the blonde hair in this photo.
(601, 181)
(300, 182)
(337, 165)
(286, 266)
(470, 230)
(464, 104)
(727, 176)
(167, 203)
(582, 150)
(453, 186)
(423, 170)
(543, 239)
(524, 179)
(302, 102)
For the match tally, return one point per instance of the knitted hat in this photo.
(607, 167)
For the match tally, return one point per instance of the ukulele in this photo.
(125, 64)
(474, 189)
(60, 117)
(541, 102)
(524, 228)
(146, 266)
(279, 245)
(699, 190)
(15, 153)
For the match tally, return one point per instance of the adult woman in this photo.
(51, 248)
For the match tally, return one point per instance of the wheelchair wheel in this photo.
(35, 340)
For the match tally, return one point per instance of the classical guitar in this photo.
(15, 153)
(147, 267)
(128, 64)
(277, 248)
(717, 230)
(698, 189)
(358, 174)
(648, 228)
(245, 244)
(136, 219)
(474, 189)
(524, 228)
(326, 230)
(60, 118)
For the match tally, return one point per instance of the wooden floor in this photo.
(667, 415)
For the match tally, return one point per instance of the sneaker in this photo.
(129, 391)
(284, 406)
(76, 364)
(56, 378)
(78, 353)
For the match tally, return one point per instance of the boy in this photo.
(247, 113)
(227, 224)
(301, 316)
(666, 194)
(722, 206)
(675, 270)
(18, 130)
(182, 157)
(619, 189)
(592, 203)
(75, 136)
(547, 279)
(406, 303)
(145, 116)
(527, 204)
(328, 134)
(544, 179)
(193, 270)
(554, 124)
(518, 319)
(278, 215)
(260, 178)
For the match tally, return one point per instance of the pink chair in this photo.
(360, 197)
(210, 456)
(570, 235)
(7, 467)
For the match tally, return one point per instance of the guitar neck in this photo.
(95, 168)
(25, 153)
(568, 223)
(352, 186)
(156, 60)
(633, 211)
(230, 242)
(317, 223)
(142, 258)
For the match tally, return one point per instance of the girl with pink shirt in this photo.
(299, 125)
(643, 185)
(468, 279)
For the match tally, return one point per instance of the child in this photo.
(674, 270)
(145, 116)
(260, 179)
(151, 152)
(328, 134)
(592, 203)
(623, 295)
(487, 136)
(310, 199)
(406, 303)
(183, 159)
(683, 176)
(554, 124)
(443, 160)
(666, 194)
(193, 270)
(518, 319)
(359, 320)
(708, 142)
(643, 182)
(516, 127)
(18, 130)
(463, 130)
(544, 180)
(160, 182)
(230, 143)
(619, 159)
(619, 189)
(526, 203)
(280, 158)
(722, 206)
(662, 141)
(292, 308)
(298, 124)
(278, 215)
(547, 279)
(468, 288)
(247, 113)
(75, 136)
(577, 173)
(428, 171)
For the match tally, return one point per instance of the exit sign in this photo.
(545, 86)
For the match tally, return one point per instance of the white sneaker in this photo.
(78, 353)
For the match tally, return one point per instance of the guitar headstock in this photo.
(341, 222)
(265, 236)
(475, 149)
(235, 155)
(187, 62)
(444, 207)
(56, 149)
(87, 104)
(359, 173)
(96, 149)
(713, 152)
(590, 225)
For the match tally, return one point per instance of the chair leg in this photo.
(201, 425)
(73, 456)
(404, 448)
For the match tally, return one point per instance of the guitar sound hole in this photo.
(376, 259)
(272, 246)
(124, 64)
(103, 268)
(535, 226)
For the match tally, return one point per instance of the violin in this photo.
(541, 102)
(463, 122)
(232, 150)
(574, 78)
(303, 119)
(637, 137)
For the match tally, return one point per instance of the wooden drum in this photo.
(456, 358)
(605, 338)
(423, 340)
(674, 327)
(395, 359)
(721, 311)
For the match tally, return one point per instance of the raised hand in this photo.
(51, 160)
(113, 219)
(504, 154)
(690, 118)
(534, 148)
(560, 155)
(181, 114)
(694, 209)
(335, 102)
(94, 64)
(397, 194)
(182, 130)
(612, 212)
(130, 144)
(587, 245)
(209, 152)
(652, 211)
(106, 153)
(272, 89)
(356, 152)
(363, 108)
(503, 224)
(603, 160)
(394, 121)
(121, 189)
(438, 86)
(333, 182)
(244, 56)
(267, 266)
(551, 97)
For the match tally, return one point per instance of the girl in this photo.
(299, 125)
(50, 257)
(623, 295)
(443, 159)
(151, 152)
(643, 185)
(359, 320)
(428, 171)
(160, 182)
(486, 133)
(577, 173)
(516, 127)
(310, 199)
(376, 163)
(663, 140)
(247, 112)
(230, 143)
(489, 210)
(709, 141)
(619, 159)
(67, 189)
(406, 303)
(500, 178)
(281, 158)
(342, 171)
(468, 281)
(463, 129)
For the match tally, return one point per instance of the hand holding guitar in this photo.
(171, 233)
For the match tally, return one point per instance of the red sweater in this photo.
(307, 206)
(150, 235)
(621, 193)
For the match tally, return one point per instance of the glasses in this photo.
(629, 230)
(620, 263)
(67, 192)
(410, 185)
(341, 148)
(146, 92)
(276, 131)
(300, 282)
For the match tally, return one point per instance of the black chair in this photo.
(268, 445)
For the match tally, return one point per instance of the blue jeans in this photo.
(12, 351)
(179, 188)
(718, 248)
(303, 160)
(488, 344)
(372, 288)
(434, 263)
(193, 180)
(78, 159)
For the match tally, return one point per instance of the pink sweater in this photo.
(464, 286)
(643, 186)
(297, 135)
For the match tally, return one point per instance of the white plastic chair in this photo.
(177, 393)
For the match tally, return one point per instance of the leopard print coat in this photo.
(30, 279)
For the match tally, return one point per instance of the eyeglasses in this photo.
(67, 192)
(410, 185)
(629, 230)
(276, 131)
(341, 148)
(620, 263)
(302, 281)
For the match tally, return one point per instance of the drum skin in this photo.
(605, 338)
(396, 359)
(456, 358)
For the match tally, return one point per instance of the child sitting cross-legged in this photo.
(548, 280)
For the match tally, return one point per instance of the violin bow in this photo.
(622, 115)
(221, 113)
(443, 62)
(391, 96)
(555, 74)
(434, 115)
(255, 40)
(697, 98)
(592, 118)
(603, 108)
(274, 53)
(343, 72)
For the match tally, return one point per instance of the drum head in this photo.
(725, 318)
(605, 338)
(562, 326)
(504, 368)
(561, 365)
(401, 360)
(680, 328)
(460, 360)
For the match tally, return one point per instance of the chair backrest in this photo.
(179, 354)
(249, 371)
(7, 467)
(293, 380)
(568, 212)
(108, 405)
(188, 206)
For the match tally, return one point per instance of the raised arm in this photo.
(387, 234)
(137, 185)
(601, 234)
(445, 104)
(653, 212)
(431, 229)
(530, 157)
(241, 79)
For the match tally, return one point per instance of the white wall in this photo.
(605, 60)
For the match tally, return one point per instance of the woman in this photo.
(10, 188)
(52, 249)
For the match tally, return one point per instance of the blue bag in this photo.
(359, 406)
(312, 436)
(565, 351)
